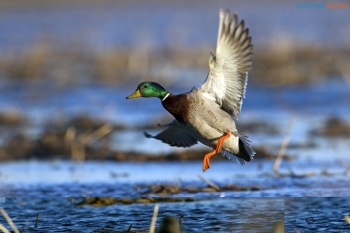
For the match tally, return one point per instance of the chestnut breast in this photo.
(178, 106)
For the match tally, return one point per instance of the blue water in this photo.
(224, 215)
(306, 214)
(65, 178)
(317, 214)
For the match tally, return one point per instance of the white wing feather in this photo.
(228, 75)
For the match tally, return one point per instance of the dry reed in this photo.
(154, 218)
(4, 229)
(9, 220)
(78, 143)
(211, 184)
(284, 146)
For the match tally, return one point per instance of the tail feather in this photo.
(245, 151)
(233, 157)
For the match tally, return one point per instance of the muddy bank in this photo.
(187, 155)
(169, 189)
(85, 138)
(104, 201)
(53, 146)
(333, 127)
(163, 191)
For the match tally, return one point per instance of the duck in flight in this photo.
(206, 114)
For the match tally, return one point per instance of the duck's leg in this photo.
(221, 141)
(218, 148)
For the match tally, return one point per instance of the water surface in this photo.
(317, 214)
(224, 215)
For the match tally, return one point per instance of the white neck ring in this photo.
(166, 96)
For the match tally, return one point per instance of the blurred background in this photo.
(67, 66)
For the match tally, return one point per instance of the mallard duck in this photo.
(206, 114)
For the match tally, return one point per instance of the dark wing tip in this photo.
(147, 135)
(242, 22)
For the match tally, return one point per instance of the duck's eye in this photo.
(145, 86)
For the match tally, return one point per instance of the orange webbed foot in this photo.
(206, 160)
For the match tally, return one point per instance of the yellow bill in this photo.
(136, 94)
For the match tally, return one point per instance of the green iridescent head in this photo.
(149, 89)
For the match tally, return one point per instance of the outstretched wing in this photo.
(175, 135)
(228, 75)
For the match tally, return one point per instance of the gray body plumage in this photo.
(213, 106)
(209, 124)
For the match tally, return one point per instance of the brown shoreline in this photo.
(83, 138)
